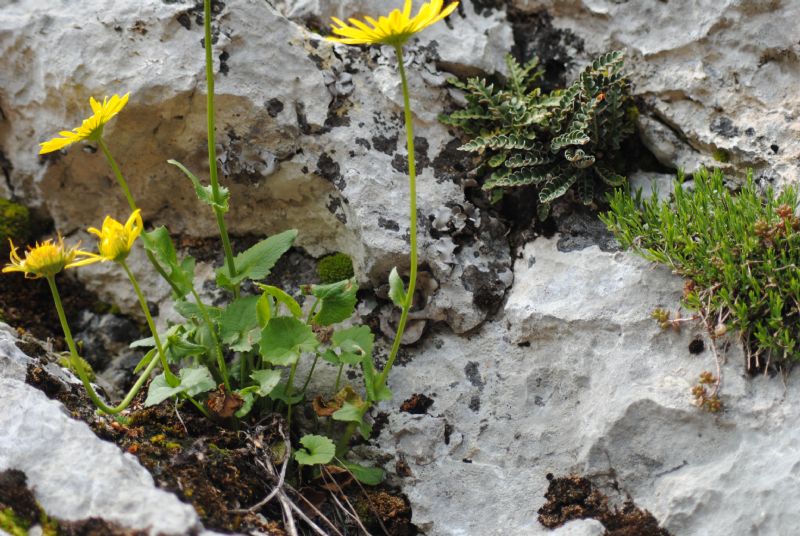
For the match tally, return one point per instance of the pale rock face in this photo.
(576, 378)
(74, 474)
(571, 375)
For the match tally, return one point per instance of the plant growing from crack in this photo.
(566, 139)
(241, 357)
(739, 253)
(393, 30)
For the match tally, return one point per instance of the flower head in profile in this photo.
(115, 240)
(394, 29)
(92, 128)
(44, 260)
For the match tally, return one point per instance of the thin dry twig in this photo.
(350, 513)
(178, 414)
(371, 505)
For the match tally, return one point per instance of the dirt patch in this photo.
(417, 404)
(20, 512)
(575, 497)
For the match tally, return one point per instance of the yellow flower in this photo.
(44, 260)
(92, 128)
(393, 30)
(115, 240)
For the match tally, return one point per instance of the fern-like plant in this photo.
(554, 141)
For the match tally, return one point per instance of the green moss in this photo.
(15, 222)
(12, 523)
(721, 155)
(65, 362)
(334, 268)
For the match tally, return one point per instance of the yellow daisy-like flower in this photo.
(115, 240)
(394, 29)
(92, 128)
(44, 260)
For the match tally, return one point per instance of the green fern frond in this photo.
(514, 179)
(499, 141)
(556, 185)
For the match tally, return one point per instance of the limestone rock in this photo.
(575, 377)
(74, 474)
(714, 75)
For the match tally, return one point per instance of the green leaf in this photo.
(338, 301)
(238, 322)
(248, 399)
(355, 344)
(282, 297)
(148, 357)
(397, 289)
(257, 262)
(193, 382)
(206, 193)
(267, 380)
(180, 274)
(279, 393)
(371, 476)
(370, 383)
(284, 338)
(350, 412)
(318, 450)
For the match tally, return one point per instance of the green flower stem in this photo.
(76, 362)
(338, 378)
(223, 369)
(172, 380)
(117, 173)
(380, 382)
(412, 192)
(197, 404)
(212, 147)
(310, 373)
(289, 385)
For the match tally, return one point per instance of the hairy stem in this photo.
(223, 369)
(117, 173)
(212, 147)
(412, 194)
(172, 380)
(78, 365)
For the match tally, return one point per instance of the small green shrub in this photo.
(334, 268)
(739, 253)
(14, 222)
(552, 141)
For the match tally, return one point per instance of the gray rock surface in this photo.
(572, 375)
(73, 474)
(575, 377)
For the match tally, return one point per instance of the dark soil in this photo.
(19, 511)
(575, 497)
(417, 404)
(222, 471)
(28, 305)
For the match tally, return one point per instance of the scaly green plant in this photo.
(565, 139)
(738, 251)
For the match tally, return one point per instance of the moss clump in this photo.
(12, 523)
(721, 155)
(66, 362)
(334, 268)
(15, 222)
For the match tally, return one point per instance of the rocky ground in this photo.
(536, 345)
